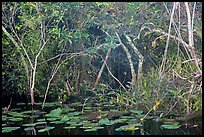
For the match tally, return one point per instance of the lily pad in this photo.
(20, 103)
(52, 119)
(119, 120)
(41, 120)
(76, 124)
(56, 122)
(171, 126)
(104, 121)
(70, 127)
(64, 119)
(66, 110)
(87, 107)
(136, 111)
(29, 128)
(34, 116)
(71, 122)
(127, 117)
(9, 129)
(54, 113)
(46, 129)
(16, 114)
(129, 127)
(15, 119)
(85, 127)
(94, 129)
(29, 125)
(4, 118)
(74, 113)
(28, 112)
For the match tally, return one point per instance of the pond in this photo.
(101, 119)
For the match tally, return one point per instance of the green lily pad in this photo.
(29, 128)
(39, 103)
(29, 125)
(46, 129)
(129, 127)
(66, 110)
(70, 127)
(171, 126)
(87, 107)
(20, 103)
(3, 125)
(85, 127)
(120, 120)
(76, 124)
(71, 122)
(64, 119)
(136, 111)
(56, 122)
(4, 118)
(15, 119)
(34, 116)
(104, 121)
(127, 117)
(28, 112)
(94, 129)
(88, 124)
(9, 129)
(52, 119)
(54, 113)
(74, 113)
(138, 125)
(76, 104)
(41, 120)
(16, 114)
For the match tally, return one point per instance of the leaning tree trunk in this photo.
(141, 58)
(133, 81)
(102, 68)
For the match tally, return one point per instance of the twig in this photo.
(82, 111)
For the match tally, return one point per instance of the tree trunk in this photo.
(141, 58)
(133, 81)
(102, 68)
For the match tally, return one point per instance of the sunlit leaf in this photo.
(9, 129)
(46, 129)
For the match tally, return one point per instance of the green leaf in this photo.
(54, 113)
(29, 128)
(46, 129)
(41, 122)
(64, 119)
(129, 127)
(104, 121)
(15, 119)
(136, 111)
(94, 129)
(29, 125)
(174, 125)
(70, 127)
(9, 129)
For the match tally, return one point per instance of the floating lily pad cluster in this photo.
(92, 118)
